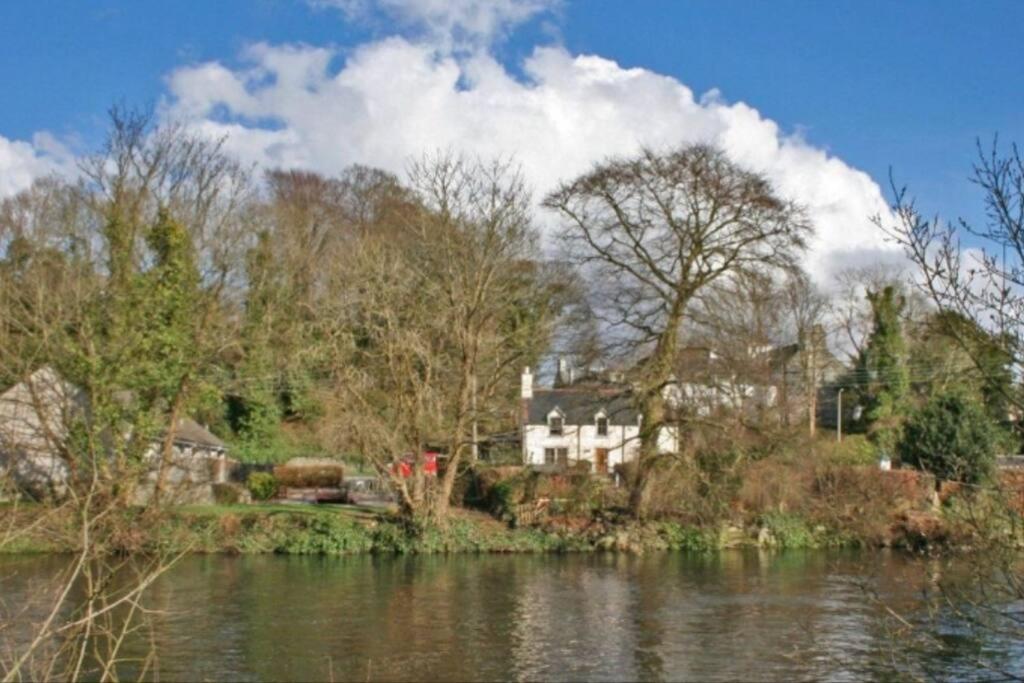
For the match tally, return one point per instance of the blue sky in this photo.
(877, 84)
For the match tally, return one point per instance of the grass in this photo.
(361, 512)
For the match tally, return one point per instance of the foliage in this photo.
(324, 535)
(854, 450)
(262, 485)
(953, 437)
(689, 538)
(309, 476)
(883, 370)
(659, 229)
(227, 494)
(431, 326)
(789, 530)
(960, 353)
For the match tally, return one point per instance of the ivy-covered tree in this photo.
(953, 350)
(883, 371)
(953, 437)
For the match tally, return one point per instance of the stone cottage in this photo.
(35, 416)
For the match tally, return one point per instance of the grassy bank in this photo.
(349, 530)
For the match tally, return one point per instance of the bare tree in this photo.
(112, 294)
(983, 284)
(440, 317)
(805, 308)
(651, 232)
(850, 312)
(735, 323)
(974, 275)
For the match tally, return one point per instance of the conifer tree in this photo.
(884, 372)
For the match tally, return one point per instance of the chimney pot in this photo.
(526, 384)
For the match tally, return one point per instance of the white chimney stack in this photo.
(563, 370)
(526, 384)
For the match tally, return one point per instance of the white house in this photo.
(586, 422)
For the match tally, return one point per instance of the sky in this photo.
(822, 97)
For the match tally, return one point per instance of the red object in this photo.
(403, 467)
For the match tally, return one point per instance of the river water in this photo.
(669, 616)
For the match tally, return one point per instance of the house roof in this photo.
(39, 404)
(581, 405)
(192, 432)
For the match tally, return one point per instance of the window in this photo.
(602, 425)
(558, 456)
(555, 425)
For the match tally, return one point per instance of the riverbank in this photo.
(353, 530)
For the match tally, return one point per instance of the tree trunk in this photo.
(640, 491)
(167, 447)
(465, 410)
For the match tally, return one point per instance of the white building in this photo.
(595, 423)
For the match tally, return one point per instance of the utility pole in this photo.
(476, 444)
(839, 415)
(812, 384)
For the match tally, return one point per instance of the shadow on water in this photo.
(734, 615)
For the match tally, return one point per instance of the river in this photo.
(667, 616)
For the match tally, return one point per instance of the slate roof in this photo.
(190, 431)
(43, 397)
(580, 405)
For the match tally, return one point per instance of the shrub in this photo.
(952, 437)
(309, 476)
(227, 494)
(789, 531)
(854, 450)
(773, 484)
(262, 485)
(693, 539)
(323, 534)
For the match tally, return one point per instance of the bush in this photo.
(262, 485)
(693, 539)
(789, 531)
(774, 484)
(952, 437)
(227, 494)
(854, 450)
(309, 476)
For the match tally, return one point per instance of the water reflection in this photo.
(735, 615)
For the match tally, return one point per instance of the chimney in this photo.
(563, 378)
(526, 384)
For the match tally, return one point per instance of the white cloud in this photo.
(22, 162)
(394, 99)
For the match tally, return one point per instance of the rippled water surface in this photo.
(730, 616)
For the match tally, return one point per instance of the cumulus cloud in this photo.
(22, 162)
(395, 98)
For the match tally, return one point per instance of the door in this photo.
(601, 456)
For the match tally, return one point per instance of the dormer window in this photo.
(602, 425)
(556, 425)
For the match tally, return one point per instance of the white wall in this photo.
(582, 442)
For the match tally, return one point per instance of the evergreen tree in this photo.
(953, 437)
(883, 371)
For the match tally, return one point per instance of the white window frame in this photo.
(556, 415)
